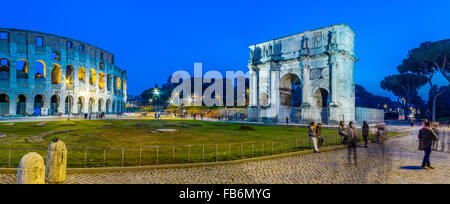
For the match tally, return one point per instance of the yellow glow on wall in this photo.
(56, 74)
(25, 66)
(82, 74)
(44, 68)
(93, 77)
(101, 80)
(118, 82)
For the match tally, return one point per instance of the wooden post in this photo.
(9, 158)
(229, 152)
(252, 149)
(262, 148)
(217, 149)
(289, 144)
(241, 150)
(85, 157)
(272, 147)
(189, 154)
(140, 156)
(173, 153)
(123, 155)
(281, 147)
(157, 155)
(104, 157)
(203, 153)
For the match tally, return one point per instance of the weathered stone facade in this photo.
(57, 76)
(320, 62)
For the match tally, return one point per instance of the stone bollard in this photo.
(31, 169)
(56, 162)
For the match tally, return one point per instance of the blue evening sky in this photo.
(153, 39)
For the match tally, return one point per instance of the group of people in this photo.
(89, 116)
(349, 134)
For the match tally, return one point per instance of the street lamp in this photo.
(67, 82)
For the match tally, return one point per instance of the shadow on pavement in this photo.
(411, 168)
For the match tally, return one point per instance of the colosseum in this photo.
(43, 74)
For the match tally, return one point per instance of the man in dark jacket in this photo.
(427, 137)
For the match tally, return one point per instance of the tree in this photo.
(404, 86)
(427, 60)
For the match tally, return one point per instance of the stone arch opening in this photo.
(114, 107)
(93, 77)
(54, 105)
(82, 74)
(55, 56)
(101, 80)
(69, 75)
(290, 90)
(115, 83)
(5, 73)
(91, 105)
(21, 105)
(38, 104)
(22, 69)
(100, 105)
(119, 83)
(68, 104)
(108, 104)
(109, 82)
(39, 69)
(4, 104)
(101, 66)
(56, 74)
(321, 103)
(80, 103)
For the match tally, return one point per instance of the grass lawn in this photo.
(129, 143)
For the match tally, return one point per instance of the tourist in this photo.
(412, 126)
(426, 139)
(313, 136)
(353, 136)
(435, 128)
(319, 135)
(380, 134)
(287, 120)
(341, 130)
(365, 132)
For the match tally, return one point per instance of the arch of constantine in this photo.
(304, 77)
(44, 74)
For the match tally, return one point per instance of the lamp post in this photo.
(69, 101)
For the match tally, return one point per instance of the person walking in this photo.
(426, 139)
(313, 136)
(412, 126)
(435, 128)
(365, 132)
(319, 135)
(341, 131)
(353, 136)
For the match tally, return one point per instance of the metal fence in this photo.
(160, 155)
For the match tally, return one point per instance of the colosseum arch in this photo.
(100, 105)
(91, 105)
(92, 77)
(82, 74)
(101, 66)
(113, 106)
(108, 82)
(69, 75)
(56, 74)
(101, 80)
(321, 104)
(22, 68)
(54, 105)
(21, 105)
(39, 69)
(68, 105)
(5, 71)
(115, 83)
(108, 106)
(119, 83)
(80, 104)
(4, 104)
(39, 101)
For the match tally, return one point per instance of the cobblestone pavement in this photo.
(395, 162)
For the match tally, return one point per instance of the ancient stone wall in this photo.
(58, 74)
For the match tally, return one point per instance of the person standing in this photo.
(319, 135)
(412, 126)
(313, 136)
(341, 131)
(426, 138)
(353, 136)
(365, 132)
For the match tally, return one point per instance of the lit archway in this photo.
(101, 80)
(82, 74)
(56, 74)
(69, 75)
(39, 69)
(68, 104)
(91, 105)
(93, 77)
(100, 105)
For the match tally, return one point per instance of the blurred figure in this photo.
(426, 139)
(341, 131)
(412, 126)
(353, 136)
(381, 138)
(313, 136)
(435, 128)
(365, 132)
(319, 135)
